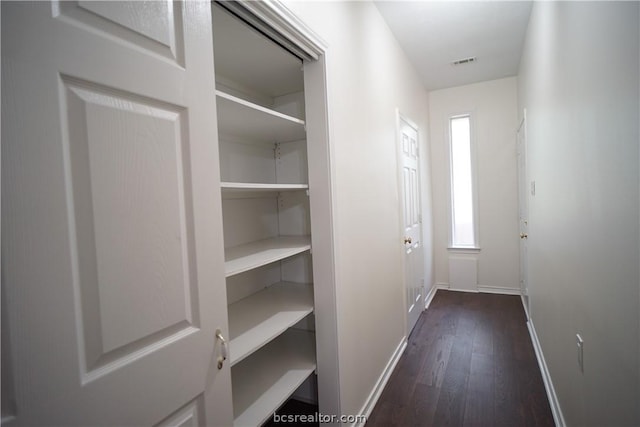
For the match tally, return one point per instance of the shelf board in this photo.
(249, 186)
(239, 259)
(264, 381)
(261, 317)
(251, 122)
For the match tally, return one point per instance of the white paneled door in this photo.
(111, 220)
(523, 209)
(411, 210)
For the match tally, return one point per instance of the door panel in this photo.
(191, 415)
(412, 222)
(113, 266)
(128, 21)
(133, 239)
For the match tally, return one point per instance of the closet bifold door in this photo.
(266, 219)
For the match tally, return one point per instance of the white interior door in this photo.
(523, 209)
(411, 207)
(112, 238)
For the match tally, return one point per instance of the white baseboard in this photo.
(546, 377)
(498, 290)
(525, 306)
(382, 381)
(430, 295)
(447, 287)
(469, 291)
(484, 289)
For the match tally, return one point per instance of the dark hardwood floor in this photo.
(469, 362)
(294, 407)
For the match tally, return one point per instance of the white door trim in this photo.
(278, 22)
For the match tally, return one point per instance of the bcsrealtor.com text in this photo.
(318, 418)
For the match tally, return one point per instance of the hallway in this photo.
(469, 361)
(206, 214)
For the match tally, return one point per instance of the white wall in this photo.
(368, 77)
(579, 83)
(493, 106)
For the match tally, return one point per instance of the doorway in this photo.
(523, 208)
(411, 211)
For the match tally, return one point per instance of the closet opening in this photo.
(276, 205)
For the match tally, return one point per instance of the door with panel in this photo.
(113, 262)
(411, 210)
(523, 210)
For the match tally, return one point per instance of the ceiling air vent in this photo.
(468, 60)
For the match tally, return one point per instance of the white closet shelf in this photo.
(251, 122)
(264, 381)
(239, 259)
(250, 186)
(261, 317)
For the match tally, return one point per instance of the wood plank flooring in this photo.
(469, 362)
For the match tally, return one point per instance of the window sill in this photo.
(464, 250)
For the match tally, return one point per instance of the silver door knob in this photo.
(524, 236)
(223, 356)
(407, 240)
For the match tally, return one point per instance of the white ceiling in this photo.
(435, 33)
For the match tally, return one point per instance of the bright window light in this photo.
(462, 200)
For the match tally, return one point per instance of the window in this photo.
(463, 206)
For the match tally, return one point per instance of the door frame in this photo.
(399, 163)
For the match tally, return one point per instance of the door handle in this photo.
(223, 349)
(524, 236)
(407, 240)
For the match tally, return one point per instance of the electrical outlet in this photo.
(580, 344)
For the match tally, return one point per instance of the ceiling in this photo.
(435, 33)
